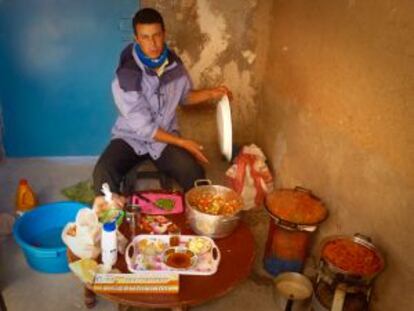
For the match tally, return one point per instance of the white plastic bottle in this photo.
(109, 245)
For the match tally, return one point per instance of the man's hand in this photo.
(199, 96)
(191, 146)
(194, 148)
(220, 91)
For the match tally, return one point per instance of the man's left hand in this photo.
(205, 95)
(220, 91)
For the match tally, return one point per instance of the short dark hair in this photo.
(147, 16)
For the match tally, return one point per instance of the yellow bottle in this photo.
(25, 197)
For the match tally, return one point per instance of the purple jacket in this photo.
(146, 102)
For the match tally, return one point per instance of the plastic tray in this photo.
(205, 263)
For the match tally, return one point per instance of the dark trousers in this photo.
(119, 158)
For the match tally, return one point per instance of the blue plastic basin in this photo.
(38, 233)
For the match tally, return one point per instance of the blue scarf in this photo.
(151, 62)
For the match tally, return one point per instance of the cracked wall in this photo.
(219, 44)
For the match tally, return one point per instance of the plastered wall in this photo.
(337, 117)
(326, 89)
(219, 42)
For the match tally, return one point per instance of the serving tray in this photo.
(151, 253)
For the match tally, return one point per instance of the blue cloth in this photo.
(147, 102)
(151, 62)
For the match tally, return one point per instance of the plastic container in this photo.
(133, 218)
(25, 197)
(38, 233)
(109, 245)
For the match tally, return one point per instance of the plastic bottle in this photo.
(25, 197)
(109, 245)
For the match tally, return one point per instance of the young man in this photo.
(150, 82)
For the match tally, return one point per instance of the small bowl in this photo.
(179, 258)
(199, 245)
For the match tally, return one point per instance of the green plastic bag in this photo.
(80, 192)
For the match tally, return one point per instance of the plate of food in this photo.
(150, 224)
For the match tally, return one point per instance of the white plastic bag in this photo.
(250, 177)
(83, 237)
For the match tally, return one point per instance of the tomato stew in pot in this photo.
(215, 203)
(352, 257)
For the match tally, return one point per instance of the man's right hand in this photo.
(191, 146)
(194, 148)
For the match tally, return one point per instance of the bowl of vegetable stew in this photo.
(212, 210)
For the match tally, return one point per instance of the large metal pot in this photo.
(214, 226)
(347, 276)
(338, 289)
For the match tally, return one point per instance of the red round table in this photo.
(237, 257)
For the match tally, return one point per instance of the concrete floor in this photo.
(26, 289)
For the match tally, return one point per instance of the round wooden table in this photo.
(237, 257)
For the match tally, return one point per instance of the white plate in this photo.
(225, 127)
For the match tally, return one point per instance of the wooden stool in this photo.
(146, 170)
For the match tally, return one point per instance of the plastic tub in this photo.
(38, 233)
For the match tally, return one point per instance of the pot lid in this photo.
(293, 285)
(297, 206)
(224, 127)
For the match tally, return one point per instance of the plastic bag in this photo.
(83, 236)
(106, 208)
(86, 269)
(250, 177)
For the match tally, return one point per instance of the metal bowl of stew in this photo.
(212, 210)
(353, 257)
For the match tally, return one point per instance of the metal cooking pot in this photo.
(288, 224)
(214, 226)
(346, 275)
(345, 281)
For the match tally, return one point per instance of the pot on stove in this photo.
(294, 215)
(347, 268)
(368, 261)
